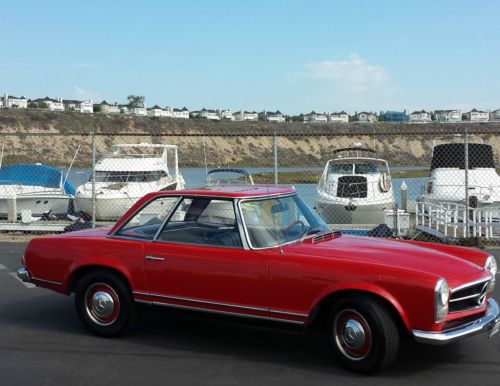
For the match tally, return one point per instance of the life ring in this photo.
(385, 183)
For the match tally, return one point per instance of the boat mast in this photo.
(70, 166)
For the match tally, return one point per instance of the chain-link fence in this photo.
(419, 185)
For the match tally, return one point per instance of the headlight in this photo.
(441, 297)
(491, 266)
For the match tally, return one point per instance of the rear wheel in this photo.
(104, 304)
(363, 334)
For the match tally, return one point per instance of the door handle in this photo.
(148, 257)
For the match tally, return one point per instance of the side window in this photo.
(147, 221)
(203, 221)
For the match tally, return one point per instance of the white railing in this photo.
(449, 220)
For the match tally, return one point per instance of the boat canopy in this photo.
(452, 155)
(34, 175)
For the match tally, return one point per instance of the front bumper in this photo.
(489, 323)
(23, 274)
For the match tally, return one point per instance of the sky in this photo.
(291, 55)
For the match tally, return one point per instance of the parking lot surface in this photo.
(43, 343)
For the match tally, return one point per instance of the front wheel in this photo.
(363, 334)
(104, 304)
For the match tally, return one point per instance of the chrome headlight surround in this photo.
(491, 266)
(441, 298)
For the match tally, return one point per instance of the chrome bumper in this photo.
(489, 323)
(23, 274)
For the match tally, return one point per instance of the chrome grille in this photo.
(469, 296)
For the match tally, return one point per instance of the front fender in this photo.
(367, 288)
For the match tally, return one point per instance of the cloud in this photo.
(81, 93)
(353, 75)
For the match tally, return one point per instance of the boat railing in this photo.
(451, 220)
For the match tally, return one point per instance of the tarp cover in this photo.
(34, 175)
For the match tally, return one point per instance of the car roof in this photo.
(233, 191)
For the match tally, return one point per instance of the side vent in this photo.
(326, 236)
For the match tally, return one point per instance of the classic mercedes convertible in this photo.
(260, 252)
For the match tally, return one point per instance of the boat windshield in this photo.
(357, 168)
(452, 155)
(123, 176)
(279, 220)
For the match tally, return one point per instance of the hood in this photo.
(394, 253)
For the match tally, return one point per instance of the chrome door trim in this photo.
(192, 308)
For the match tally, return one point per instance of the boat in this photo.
(127, 173)
(355, 187)
(228, 176)
(446, 182)
(35, 189)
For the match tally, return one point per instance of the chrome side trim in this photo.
(192, 308)
(289, 313)
(140, 293)
(470, 284)
(46, 281)
(207, 302)
(483, 324)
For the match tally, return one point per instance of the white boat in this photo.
(446, 183)
(228, 176)
(125, 175)
(355, 188)
(38, 190)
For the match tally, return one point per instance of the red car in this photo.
(261, 252)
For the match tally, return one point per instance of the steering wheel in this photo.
(293, 225)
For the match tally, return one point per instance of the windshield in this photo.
(358, 168)
(279, 220)
(108, 176)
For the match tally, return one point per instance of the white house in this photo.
(139, 111)
(246, 116)
(367, 117)
(226, 114)
(269, 116)
(477, 116)
(206, 114)
(180, 113)
(420, 117)
(51, 104)
(314, 117)
(79, 106)
(495, 116)
(107, 108)
(10, 101)
(448, 115)
(341, 117)
(123, 109)
(156, 111)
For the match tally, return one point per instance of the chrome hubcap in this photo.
(103, 304)
(354, 334)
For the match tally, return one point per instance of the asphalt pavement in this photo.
(43, 343)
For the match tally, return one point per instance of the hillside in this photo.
(54, 137)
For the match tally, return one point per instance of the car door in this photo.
(198, 261)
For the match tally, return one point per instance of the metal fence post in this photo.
(94, 150)
(275, 158)
(466, 171)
